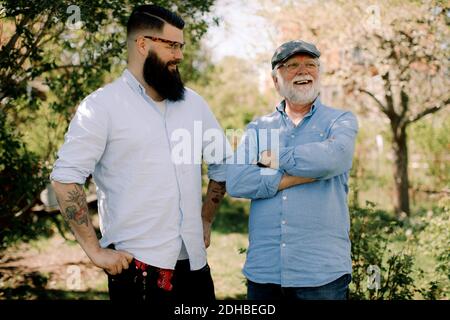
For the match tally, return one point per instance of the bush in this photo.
(232, 216)
(378, 273)
(435, 240)
(22, 177)
(386, 252)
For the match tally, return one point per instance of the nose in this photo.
(178, 54)
(301, 70)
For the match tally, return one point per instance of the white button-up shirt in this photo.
(149, 201)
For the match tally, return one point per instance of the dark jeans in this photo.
(188, 286)
(335, 290)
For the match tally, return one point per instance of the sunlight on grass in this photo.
(226, 264)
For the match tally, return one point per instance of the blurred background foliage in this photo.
(390, 69)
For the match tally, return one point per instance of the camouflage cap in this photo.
(290, 48)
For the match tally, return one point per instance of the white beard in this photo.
(299, 94)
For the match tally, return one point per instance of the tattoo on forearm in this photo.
(217, 192)
(214, 195)
(79, 215)
(77, 207)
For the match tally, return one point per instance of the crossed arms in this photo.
(294, 165)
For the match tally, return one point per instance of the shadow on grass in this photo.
(33, 286)
(27, 292)
(232, 216)
(240, 296)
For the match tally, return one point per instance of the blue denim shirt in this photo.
(298, 237)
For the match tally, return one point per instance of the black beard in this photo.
(167, 84)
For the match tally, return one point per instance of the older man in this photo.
(154, 228)
(297, 179)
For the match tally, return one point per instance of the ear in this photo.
(142, 46)
(275, 81)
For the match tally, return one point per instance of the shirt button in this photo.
(283, 245)
(284, 197)
(321, 134)
(292, 135)
(283, 222)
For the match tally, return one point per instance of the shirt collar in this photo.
(133, 82)
(282, 106)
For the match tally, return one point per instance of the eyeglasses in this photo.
(294, 66)
(173, 45)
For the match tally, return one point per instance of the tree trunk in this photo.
(400, 146)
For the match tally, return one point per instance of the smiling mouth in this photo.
(302, 82)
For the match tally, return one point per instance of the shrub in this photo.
(378, 273)
(435, 240)
(22, 177)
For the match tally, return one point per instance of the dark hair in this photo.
(152, 17)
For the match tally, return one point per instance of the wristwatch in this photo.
(261, 165)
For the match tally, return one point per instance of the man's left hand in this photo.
(269, 159)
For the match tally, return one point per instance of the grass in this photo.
(228, 237)
(226, 264)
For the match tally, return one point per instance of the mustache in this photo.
(173, 62)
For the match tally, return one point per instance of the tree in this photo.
(398, 61)
(52, 54)
(409, 61)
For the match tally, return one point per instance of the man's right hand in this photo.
(73, 205)
(112, 261)
(288, 181)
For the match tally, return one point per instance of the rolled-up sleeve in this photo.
(326, 159)
(84, 144)
(216, 149)
(244, 178)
